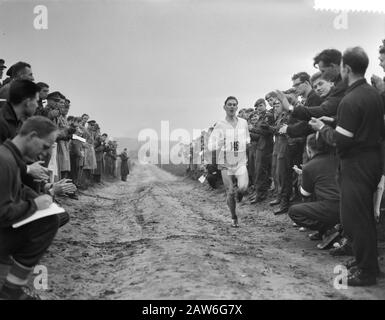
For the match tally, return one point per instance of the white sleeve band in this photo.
(344, 132)
(305, 193)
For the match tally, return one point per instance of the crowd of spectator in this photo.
(317, 153)
(45, 155)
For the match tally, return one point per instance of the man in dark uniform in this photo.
(379, 84)
(281, 155)
(252, 152)
(262, 134)
(270, 98)
(358, 137)
(297, 130)
(318, 182)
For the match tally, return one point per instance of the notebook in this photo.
(76, 137)
(53, 209)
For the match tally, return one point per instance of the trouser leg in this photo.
(264, 181)
(319, 215)
(64, 218)
(251, 164)
(359, 178)
(27, 244)
(257, 170)
(296, 154)
(274, 174)
(285, 178)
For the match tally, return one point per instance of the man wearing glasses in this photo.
(303, 88)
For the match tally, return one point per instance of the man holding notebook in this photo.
(26, 244)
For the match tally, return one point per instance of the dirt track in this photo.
(162, 237)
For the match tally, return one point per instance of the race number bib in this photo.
(235, 148)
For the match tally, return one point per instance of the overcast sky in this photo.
(132, 63)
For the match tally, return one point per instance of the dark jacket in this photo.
(281, 140)
(16, 199)
(9, 127)
(9, 124)
(301, 128)
(313, 99)
(360, 112)
(262, 132)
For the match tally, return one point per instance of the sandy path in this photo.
(162, 237)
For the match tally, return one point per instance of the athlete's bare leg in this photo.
(228, 182)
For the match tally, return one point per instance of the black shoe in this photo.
(274, 202)
(344, 250)
(328, 239)
(351, 264)
(353, 268)
(316, 236)
(22, 293)
(361, 279)
(281, 210)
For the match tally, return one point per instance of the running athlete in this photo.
(230, 138)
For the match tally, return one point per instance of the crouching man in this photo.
(318, 181)
(26, 244)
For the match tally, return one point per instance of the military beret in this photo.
(55, 95)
